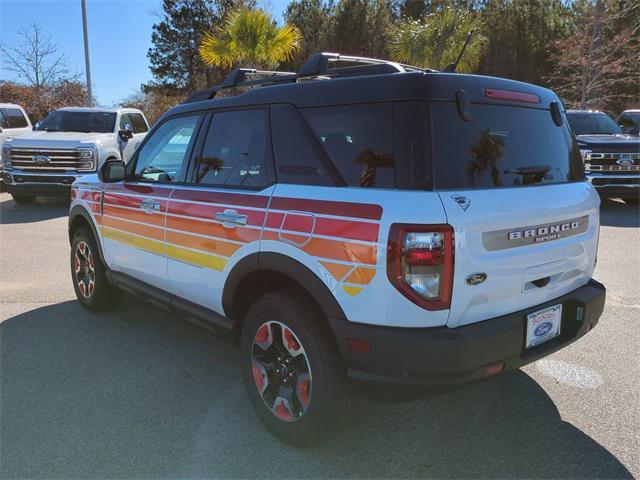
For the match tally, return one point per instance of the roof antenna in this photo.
(451, 68)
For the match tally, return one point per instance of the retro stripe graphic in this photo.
(342, 236)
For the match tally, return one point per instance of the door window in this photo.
(164, 156)
(138, 123)
(124, 121)
(235, 150)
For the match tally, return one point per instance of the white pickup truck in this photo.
(67, 144)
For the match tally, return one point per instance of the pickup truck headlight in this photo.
(87, 159)
(6, 157)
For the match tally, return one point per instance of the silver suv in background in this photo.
(67, 144)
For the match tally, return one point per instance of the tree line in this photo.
(588, 51)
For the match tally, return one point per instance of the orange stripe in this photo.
(362, 275)
(205, 244)
(138, 216)
(337, 270)
(335, 249)
(213, 229)
(143, 230)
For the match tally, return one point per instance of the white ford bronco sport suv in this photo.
(69, 143)
(372, 221)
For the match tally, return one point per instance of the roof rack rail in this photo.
(319, 65)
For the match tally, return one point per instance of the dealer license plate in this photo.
(543, 325)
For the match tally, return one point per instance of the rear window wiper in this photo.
(532, 170)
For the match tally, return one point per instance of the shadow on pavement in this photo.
(616, 213)
(40, 210)
(137, 393)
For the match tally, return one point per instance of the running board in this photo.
(184, 309)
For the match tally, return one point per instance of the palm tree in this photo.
(436, 40)
(250, 36)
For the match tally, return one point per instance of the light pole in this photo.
(87, 63)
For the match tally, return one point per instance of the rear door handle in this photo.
(150, 206)
(230, 218)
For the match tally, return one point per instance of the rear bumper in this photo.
(40, 184)
(444, 356)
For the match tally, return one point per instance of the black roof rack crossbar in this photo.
(319, 64)
(239, 77)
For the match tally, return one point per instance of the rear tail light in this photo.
(420, 263)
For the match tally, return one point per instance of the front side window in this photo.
(359, 141)
(235, 150)
(70, 121)
(139, 125)
(125, 121)
(165, 155)
(14, 118)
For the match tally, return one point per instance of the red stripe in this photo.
(353, 230)
(129, 201)
(242, 200)
(86, 195)
(343, 209)
(209, 212)
(139, 189)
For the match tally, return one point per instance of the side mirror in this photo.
(0, 129)
(112, 171)
(126, 133)
(35, 127)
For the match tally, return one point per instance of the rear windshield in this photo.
(502, 146)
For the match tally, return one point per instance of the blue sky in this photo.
(119, 37)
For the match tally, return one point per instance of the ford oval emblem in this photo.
(542, 329)
(476, 278)
(625, 162)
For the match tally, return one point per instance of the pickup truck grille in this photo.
(47, 160)
(613, 162)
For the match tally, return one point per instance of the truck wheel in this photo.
(23, 198)
(93, 290)
(291, 369)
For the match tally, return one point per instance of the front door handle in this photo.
(150, 206)
(231, 218)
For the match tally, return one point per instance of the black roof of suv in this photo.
(373, 80)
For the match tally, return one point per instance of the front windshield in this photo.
(593, 124)
(69, 121)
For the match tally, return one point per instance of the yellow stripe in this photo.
(353, 291)
(196, 258)
(135, 241)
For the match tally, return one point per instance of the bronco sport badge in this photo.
(518, 237)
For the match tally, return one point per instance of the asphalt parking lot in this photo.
(137, 393)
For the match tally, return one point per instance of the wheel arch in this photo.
(80, 217)
(261, 273)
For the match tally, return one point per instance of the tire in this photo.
(23, 198)
(319, 376)
(93, 290)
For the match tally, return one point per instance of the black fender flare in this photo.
(285, 265)
(77, 211)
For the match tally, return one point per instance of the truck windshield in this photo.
(69, 121)
(501, 146)
(593, 124)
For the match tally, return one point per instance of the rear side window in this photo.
(297, 153)
(235, 150)
(359, 141)
(14, 118)
(138, 123)
(502, 146)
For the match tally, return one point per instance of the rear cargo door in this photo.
(525, 225)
